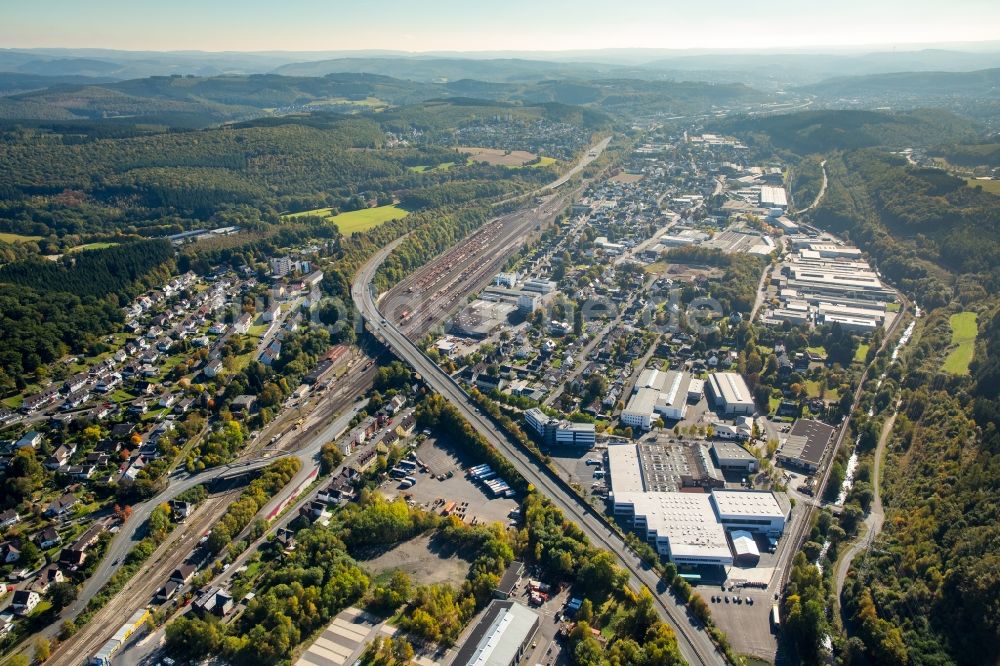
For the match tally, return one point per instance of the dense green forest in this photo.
(928, 594)
(829, 130)
(913, 221)
(49, 308)
(190, 101)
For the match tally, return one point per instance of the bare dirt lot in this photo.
(498, 157)
(627, 178)
(423, 560)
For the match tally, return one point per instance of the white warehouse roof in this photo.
(686, 520)
(624, 469)
(744, 503)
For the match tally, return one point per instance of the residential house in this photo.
(32, 439)
(60, 457)
(285, 538)
(180, 510)
(49, 575)
(61, 506)
(183, 574)
(24, 602)
(215, 601)
(9, 552)
(167, 592)
(242, 404)
(47, 538)
(8, 518)
(213, 368)
(81, 472)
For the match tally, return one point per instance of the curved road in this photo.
(819, 195)
(876, 515)
(695, 645)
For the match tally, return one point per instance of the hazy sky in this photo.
(476, 25)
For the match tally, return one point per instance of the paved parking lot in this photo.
(474, 501)
(572, 464)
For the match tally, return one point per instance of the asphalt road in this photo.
(694, 643)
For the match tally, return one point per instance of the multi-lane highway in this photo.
(695, 644)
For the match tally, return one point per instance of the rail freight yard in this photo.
(437, 289)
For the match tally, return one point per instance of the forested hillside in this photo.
(64, 180)
(927, 591)
(48, 309)
(824, 131)
(928, 594)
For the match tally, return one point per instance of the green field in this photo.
(92, 246)
(963, 334)
(861, 353)
(544, 161)
(357, 220)
(421, 168)
(17, 238)
(991, 186)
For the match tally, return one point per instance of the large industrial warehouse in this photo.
(688, 527)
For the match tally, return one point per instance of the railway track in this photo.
(799, 535)
(140, 590)
(695, 645)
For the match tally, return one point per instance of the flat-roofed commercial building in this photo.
(554, 431)
(661, 466)
(750, 510)
(624, 469)
(640, 409)
(696, 389)
(732, 457)
(500, 638)
(773, 197)
(681, 526)
(730, 393)
(576, 434)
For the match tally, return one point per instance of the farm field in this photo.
(991, 186)
(421, 168)
(91, 246)
(357, 220)
(963, 334)
(373, 103)
(17, 238)
(497, 157)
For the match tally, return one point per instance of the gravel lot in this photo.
(477, 501)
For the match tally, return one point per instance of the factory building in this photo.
(501, 637)
(773, 197)
(729, 393)
(752, 510)
(731, 457)
(657, 393)
(805, 445)
(681, 526)
(688, 527)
